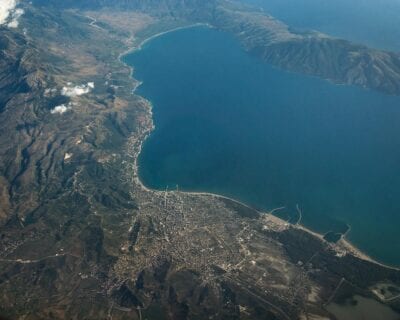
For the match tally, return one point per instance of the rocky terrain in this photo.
(312, 53)
(81, 238)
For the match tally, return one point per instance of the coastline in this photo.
(135, 47)
(199, 24)
(132, 47)
(343, 243)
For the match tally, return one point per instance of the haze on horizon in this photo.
(371, 22)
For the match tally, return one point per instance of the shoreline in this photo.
(146, 40)
(132, 47)
(136, 47)
(342, 243)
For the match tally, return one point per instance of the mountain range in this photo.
(82, 238)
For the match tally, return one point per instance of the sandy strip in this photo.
(342, 243)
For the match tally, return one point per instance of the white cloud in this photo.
(77, 90)
(13, 24)
(68, 156)
(9, 14)
(60, 109)
(16, 14)
(50, 92)
(6, 8)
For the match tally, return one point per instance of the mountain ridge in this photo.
(309, 52)
(81, 238)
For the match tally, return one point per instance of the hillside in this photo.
(312, 53)
(81, 238)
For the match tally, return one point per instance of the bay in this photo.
(226, 122)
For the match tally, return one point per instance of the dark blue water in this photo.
(228, 123)
(371, 22)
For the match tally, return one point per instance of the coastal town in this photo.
(83, 238)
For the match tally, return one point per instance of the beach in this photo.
(342, 244)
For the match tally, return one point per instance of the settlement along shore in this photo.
(342, 246)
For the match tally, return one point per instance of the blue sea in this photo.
(228, 123)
